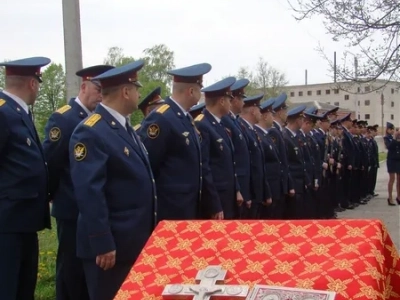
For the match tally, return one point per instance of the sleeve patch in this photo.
(153, 131)
(80, 151)
(54, 134)
(2, 102)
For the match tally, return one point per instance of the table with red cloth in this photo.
(355, 258)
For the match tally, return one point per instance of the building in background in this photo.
(376, 102)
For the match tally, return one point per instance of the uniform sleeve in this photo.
(88, 160)
(154, 133)
(55, 147)
(211, 204)
(4, 131)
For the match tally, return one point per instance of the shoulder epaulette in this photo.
(92, 120)
(2, 102)
(136, 127)
(162, 109)
(199, 117)
(63, 109)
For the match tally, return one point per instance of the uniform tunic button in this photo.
(155, 197)
(201, 164)
(154, 181)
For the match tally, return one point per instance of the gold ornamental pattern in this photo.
(355, 258)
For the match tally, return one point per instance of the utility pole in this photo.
(382, 115)
(72, 45)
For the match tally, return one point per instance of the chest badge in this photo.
(220, 146)
(28, 141)
(186, 134)
(126, 151)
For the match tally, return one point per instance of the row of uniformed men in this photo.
(109, 190)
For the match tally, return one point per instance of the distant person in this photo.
(392, 144)
(149, 103)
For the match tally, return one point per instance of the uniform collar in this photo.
(120, 118)
(19, 101)
(79, 102)
(180, 107)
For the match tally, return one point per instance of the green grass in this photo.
(382, 156)
(45, 287)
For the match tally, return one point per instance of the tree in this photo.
(266, 79)
(115, 57)
(370, 29)
(51, 96)
(158, 60)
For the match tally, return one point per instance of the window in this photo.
(328, 92)
(367, 117)
(358, 102)
(336, 103)
(358, 117)
(392, 104)
(346, 97)
(309, 93)
(291, 94)
(318, 92)
(336, 91)
(391, 117)
(328, 103)
(300, 94)
(358, 89)
(366, 102)
(367, 89)
(392, 91)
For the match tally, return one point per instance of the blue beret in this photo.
(151, 99)
(280, 102)
(346, 118)
(220, 88)
(238, 87)
(191, 74)
(93, 71)
(296, 111)
(389, 125)
(121, 75)
(266, 106)
(253, 100)
(26, 67)
(196, 109)
(312, 110)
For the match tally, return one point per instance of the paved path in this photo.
(377, 208)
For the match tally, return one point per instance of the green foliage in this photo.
(51, 96)
(264, 79)
(158, 60)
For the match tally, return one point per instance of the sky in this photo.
(227, 34)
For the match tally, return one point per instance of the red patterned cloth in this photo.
(355, 258)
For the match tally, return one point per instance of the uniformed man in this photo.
(280, 115)
(113, 183)
(349, 153)
(375, 160)
(297, 168)
(24, 208)
(272, 163)
(220, 188)
(312, 163)
(260, 193)
(195, 110)
(240, 143)
(149, 103)
(173, 144)
(70, 278)
(366, 154)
